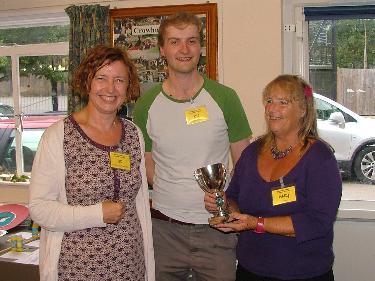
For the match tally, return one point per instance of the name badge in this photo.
(196, 115)
(284, 195)
(120, 160)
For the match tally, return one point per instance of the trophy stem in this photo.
(220, 217)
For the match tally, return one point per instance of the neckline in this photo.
(290, 171)
(94, 143)
(190, 100)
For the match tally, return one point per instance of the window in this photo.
(312, 48)
(324, 110)
(33, 85)
(33, 128)
(341, 52)
(30, 139)
(6, 102)
(333, 47)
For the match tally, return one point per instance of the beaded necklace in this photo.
(278, 154)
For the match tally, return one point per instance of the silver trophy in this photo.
(212, 179)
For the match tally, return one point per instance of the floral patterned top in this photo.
(114, 252)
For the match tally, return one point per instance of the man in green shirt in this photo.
(188, 122)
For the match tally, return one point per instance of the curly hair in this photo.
(179, 20)
(95, 59)
(301, 92)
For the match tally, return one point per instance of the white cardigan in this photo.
(48, 205)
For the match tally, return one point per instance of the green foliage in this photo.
(344, 38)
(34, 35)
(5, 68)
(52, 68)
(14, 178)
(44, 67)
(22, 178)
(351, 43)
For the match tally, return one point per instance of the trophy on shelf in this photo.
(212, 179)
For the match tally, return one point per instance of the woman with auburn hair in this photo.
(88, 189)
(285, 192)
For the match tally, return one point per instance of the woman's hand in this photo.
(237, 222)
(113, 212)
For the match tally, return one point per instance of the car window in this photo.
(325, 109)
(6, 110)
(8, 165)
(30, 141)
(31, 137)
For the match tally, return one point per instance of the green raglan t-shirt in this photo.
(178, 149)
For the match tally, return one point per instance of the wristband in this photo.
(260, 226)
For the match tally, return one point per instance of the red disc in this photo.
(12, 215)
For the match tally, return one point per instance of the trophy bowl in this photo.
(212, 179)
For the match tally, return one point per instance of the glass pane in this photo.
(7, 147)
(6, 115)
(323, 109)
(44, 86)
(34, 35)
(342, 68)
(33, 128)
(336, 46)
(6, 100)
(30, 141)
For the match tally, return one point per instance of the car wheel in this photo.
(364, 165)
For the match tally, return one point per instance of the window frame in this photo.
(15, 52)
(295, 60)
(295, 33)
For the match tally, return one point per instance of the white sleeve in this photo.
(143, 210)
(47, 198)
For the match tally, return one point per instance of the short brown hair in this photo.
(179, 20)
(301, 92)
(95, 59)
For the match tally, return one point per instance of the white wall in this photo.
(251, 51)
(354, 250)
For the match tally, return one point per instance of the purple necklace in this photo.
(278, 154)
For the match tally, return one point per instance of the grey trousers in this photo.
(193, 252)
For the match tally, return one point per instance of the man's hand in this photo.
(210, 202)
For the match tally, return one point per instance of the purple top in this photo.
(318, 187)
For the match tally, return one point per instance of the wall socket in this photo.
(289, 27)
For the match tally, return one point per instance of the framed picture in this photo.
(136, 30)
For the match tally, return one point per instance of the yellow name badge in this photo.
(196, 115)
(120, 160)
(284, 195)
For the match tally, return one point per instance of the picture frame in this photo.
(135, 29)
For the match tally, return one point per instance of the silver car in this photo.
(351, 136)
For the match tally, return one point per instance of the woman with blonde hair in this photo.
(285, 192)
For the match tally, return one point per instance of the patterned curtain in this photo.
(89, 26)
